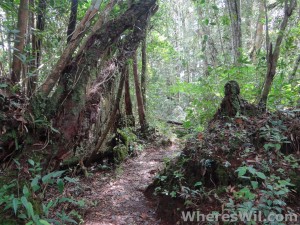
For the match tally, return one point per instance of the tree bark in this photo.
(139, 98)
(274, 55)
(73, 99)
(31, 84)
(296, 65)
(40, 27)
(72, 20)
(113, 113)
(258, 37)
(267, 29)
(129, 47)
(65, 58)
(234, 8)
(128, 102)
(23, 15)
(144, 70)
(220, 33)
(103, 19)
(37, 43)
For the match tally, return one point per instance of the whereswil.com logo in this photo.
(273, 218)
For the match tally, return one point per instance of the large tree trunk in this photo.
(67, 112)
(139, 97)
(23, 15)
(84, 67)
(274, 55)
(234, 8)
(129, 48)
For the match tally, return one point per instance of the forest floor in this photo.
(117, 197)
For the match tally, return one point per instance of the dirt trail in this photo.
(118, 196)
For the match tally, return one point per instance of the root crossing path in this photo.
(117, 197)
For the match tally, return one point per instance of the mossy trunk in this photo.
(67, 109)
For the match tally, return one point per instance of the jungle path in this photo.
(118, 195)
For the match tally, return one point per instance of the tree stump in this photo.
(231, 103)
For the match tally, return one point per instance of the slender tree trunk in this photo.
(9, 51)
(274, 55)
(144, 71)
(2, 68)
(139, 98)
(72, 20)
(2, 34)
(113, 113)
(37, 43)
(267, 29)
(128, 102)
(296, 66)
(234, 8)
(64, 59)
(31, 84)
(40, 27)
(258, 37)
(23, 15)
(220, 33)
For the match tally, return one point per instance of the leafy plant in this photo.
(267, 198)
(273, 135)
(27, 201)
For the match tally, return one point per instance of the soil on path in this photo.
(117, 197)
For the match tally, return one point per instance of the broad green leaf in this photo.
(277, 146)
(199, 183)
(35, 184)
(48, 177)
(17, 162)
(25, 191)
(58, 173)
(44, 222)
(251, 170)
(261, 175)
(60, 185)
(254, 184)
(24, 201)
(28, 207)
(173, 194)
(71, 180)
(241, 171)
(31, 162)
(22, 216)
(15, 204)
(281, 192)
